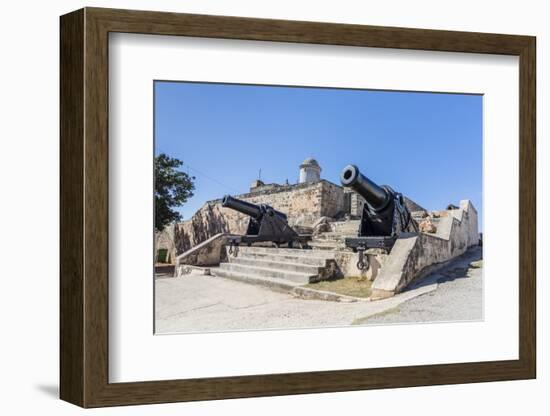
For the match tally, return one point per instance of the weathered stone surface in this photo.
(303, 229)
(427, 226)
(399, 267)
(322, 225)
(208, 221)
(308, 293)
(347, 264)
(207, 253)
(165, 240)
(322, 220)
(188, 269)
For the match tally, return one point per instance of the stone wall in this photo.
(165, 240)
(334, 201)
(356, 204)
(413, 255)
(209, 220)
(207, 253)
(301, 203)
(347, 264)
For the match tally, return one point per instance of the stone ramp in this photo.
(279, 268)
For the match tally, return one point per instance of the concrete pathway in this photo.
(459, 297)
(198, 303)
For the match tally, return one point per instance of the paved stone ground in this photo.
(459, 297)
(197, 303)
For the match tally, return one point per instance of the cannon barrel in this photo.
(247, 208)
(250, 209)
(376, 196)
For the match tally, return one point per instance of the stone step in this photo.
(281, 285)
(325, 241)
(312, 257)
(296, 277)
(352, 225)
(346, 231)
(272, 263)
(346, 227)
(293, 252)
(326, 245)
(334, 235)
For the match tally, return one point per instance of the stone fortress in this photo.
(329, 213)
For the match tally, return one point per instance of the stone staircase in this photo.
(334, 240)
(277, 268)
(286, 268)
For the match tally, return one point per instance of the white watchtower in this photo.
(310, 171)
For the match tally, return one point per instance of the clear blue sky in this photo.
(427, 146)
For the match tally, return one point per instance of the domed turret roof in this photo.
(310, 162)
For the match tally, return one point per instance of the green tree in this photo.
(172, 189)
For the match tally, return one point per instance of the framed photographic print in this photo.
(255, 207)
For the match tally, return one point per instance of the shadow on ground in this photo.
(455, 269)
(51, 390)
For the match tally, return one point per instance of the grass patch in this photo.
(348, 286)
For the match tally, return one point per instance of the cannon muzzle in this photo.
(376, 196)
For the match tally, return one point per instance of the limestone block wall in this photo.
(301, 203)
(334, 201)
(356, 204)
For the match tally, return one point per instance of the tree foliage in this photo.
(172, 189)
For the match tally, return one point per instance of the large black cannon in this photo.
(384, 215)
(266, 224)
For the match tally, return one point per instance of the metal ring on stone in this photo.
(361, 264)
